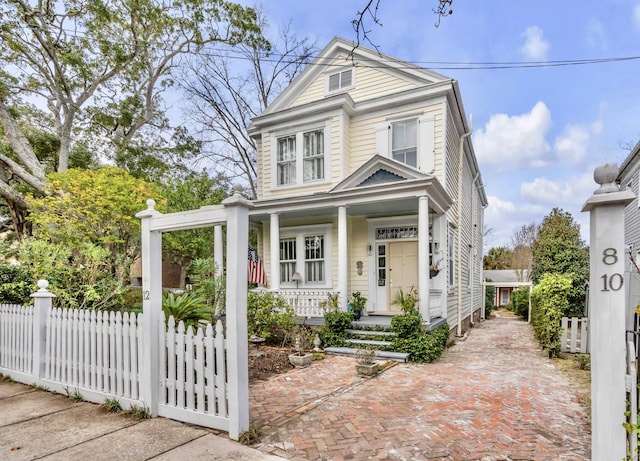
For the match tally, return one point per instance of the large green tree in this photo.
(498, 258)
(98, 66)
(559, 249)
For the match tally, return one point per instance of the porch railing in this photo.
(306, 303)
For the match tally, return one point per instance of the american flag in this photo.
(255, 268)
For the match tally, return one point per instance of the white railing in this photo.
(306, 303)
(575, 335)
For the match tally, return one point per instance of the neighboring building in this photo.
(362, 187)
(505, 282)
(629, 178)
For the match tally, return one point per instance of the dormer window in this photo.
(340, 80)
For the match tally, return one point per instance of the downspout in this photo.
(473, 241)
(459, 224)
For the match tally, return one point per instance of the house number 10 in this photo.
(614, 281)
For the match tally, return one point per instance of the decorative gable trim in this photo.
(379, 170)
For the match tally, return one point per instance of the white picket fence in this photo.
(97, 355)
(575, 335)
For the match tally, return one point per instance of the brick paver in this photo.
(494, 396)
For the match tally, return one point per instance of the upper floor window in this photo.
(300, 158)
(313, 155)
(404, 141)
(340, 80)
(409, 140)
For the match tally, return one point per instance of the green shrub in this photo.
(423, 346)
(583, 361)
(333, 332)
(16, 284)
(269, 316)
(490, 294)
(407, 325)
(549, 302)
(520, 302)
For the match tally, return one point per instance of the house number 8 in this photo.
(615, 281)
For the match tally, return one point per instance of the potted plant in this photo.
(357, 304)
(365, 366)
(434, 268)
(300, 358)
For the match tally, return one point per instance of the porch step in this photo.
(370, 332)
(386, 355)
(369, 342)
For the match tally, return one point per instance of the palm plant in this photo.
(186, 307)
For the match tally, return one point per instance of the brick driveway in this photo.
(492, 397)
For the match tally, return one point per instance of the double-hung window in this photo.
(313, 155)
(300, 158)
(404, 141)
(286, 160)
(305, 250)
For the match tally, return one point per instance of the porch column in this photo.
(274, 230)
(217, 250)
(343, 261)
(423, 259)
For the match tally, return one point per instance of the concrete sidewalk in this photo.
(40, 425)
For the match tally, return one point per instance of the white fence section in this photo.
(193, 385)
(16, 338)
(94, 351)
(575, 335)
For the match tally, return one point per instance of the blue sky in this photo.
(538, 132)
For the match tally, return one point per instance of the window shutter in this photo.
(346, 79)
(334, 82)
(382, 140)
(426, 144)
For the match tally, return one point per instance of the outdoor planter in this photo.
(300, 361)
(367, 369)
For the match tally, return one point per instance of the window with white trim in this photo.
(286, 160)
(404, 141)
(300, 158)
(287, 259)
(470, 266)
(313, 153)
(305, 250)
(340, 80)
(451, 256)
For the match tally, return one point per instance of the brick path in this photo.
(492, 397)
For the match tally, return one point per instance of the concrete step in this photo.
(384, 355)
(370, 333)
(368, 342)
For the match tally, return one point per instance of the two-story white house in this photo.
(367, 180)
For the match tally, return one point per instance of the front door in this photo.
(403, 270)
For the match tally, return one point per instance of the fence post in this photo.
(151, 309)
(607, 300)
(42, 302)
(237, 208)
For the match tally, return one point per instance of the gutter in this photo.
(459, 230)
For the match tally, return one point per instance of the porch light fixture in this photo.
(296, 277)
(369, 249)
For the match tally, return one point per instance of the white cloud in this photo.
(635, 18)
(515, 142)
(596, 37)
(535, 47)
(566, 194)
(571, 146)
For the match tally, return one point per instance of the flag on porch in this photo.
(255, 268)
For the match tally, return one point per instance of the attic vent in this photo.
(341, 80)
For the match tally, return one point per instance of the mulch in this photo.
(266, 361)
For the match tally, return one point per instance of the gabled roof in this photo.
(379, 170)
(506, 276)
(340, 52)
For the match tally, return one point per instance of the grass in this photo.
(252, 436)
(76, 396)
(137, 412)
(111, 406)
(579, 377)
